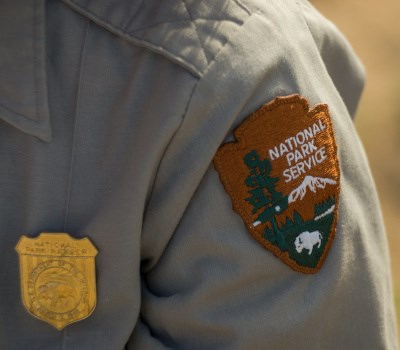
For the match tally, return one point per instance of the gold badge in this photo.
(283, 177)
(58, 281)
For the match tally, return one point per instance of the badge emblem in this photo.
(282, 175)
(58, 282)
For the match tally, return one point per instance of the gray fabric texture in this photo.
(140, 96)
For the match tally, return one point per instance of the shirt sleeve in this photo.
(341, 63)
(206, 283)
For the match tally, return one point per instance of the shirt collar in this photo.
(189, 33)
(23, 88)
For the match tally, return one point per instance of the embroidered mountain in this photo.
(310, 183)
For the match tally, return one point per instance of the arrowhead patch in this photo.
(282, 175)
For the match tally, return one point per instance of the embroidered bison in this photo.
(307, 240)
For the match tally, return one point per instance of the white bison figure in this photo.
(307, 240)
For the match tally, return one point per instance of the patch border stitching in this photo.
(240, 143)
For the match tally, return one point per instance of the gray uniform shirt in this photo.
(110, 115)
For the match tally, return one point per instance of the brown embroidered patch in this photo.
(283, 176)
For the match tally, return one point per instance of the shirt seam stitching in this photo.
(77, 113)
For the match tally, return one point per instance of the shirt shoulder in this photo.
(188, 32)
(192, 33)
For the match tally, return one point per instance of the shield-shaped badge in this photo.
(58, 281)
(282, 175)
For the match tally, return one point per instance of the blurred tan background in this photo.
(373, 29)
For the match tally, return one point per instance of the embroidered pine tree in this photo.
(263, 195)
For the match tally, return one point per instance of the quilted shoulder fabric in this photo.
(189, 32)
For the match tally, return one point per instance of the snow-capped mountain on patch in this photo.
(309, 183)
